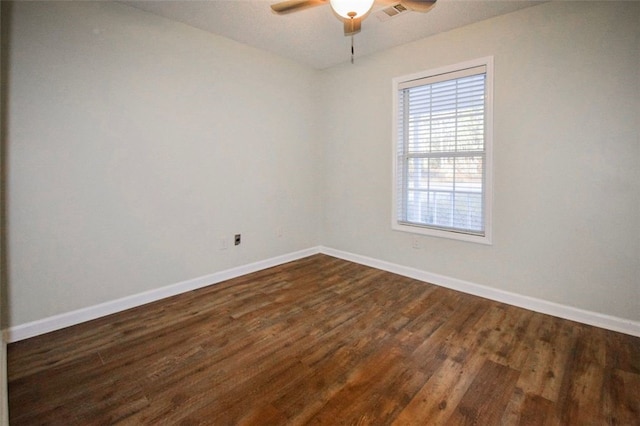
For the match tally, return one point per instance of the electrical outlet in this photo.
(237, 239)
(224, 243)
(415, 242)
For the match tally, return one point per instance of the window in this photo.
(442, 150)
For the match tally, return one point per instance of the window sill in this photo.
(439, 233)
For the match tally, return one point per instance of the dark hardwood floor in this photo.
(325, 341)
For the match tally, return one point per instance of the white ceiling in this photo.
(315, 36)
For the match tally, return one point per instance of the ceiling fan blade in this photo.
(352, 26)
(421, 6)
(386, 2)
(290, 6)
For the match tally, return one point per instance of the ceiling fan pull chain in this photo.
(352, 48)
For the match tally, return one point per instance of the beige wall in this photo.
(4, 32)
(566, 156)
(137, 144)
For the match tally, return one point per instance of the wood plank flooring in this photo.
(329, 342)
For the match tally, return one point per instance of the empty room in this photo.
(320, 212)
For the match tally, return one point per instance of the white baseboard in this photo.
(57, 322)
(538, 305)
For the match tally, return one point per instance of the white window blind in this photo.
(441, 152)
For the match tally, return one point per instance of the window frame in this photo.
(397, 82)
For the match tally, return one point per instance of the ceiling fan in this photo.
(352, 12)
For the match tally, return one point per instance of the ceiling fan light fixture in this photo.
(349, 9)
